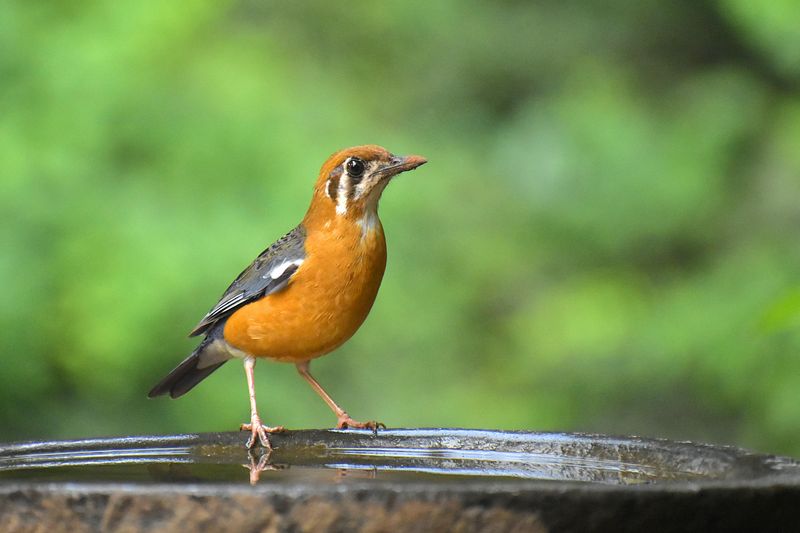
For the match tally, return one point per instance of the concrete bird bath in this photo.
(397, 480)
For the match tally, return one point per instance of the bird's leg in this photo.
(258, 430)
(343, 419)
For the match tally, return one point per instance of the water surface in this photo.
(413, 455)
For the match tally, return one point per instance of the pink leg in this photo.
(259, 432)
(343, 419)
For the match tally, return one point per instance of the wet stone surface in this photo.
(397, 480)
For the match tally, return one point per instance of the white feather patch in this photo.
(341, 194)
(278, 270)
(368, 222)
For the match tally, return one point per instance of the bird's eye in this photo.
(355, 167)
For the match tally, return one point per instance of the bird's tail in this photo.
(190, 372)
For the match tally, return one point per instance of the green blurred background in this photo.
(605, 238)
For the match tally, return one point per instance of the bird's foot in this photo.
(259, 433)
(345, 422)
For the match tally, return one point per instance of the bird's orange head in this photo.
(351, 181)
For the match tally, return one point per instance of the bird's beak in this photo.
(400, 164)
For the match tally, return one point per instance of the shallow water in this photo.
(418, 455)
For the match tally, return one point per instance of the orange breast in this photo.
(326, 300)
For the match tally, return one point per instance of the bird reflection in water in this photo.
(260, 462)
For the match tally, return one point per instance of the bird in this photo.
(308, 292)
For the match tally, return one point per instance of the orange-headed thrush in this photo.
(307, 293)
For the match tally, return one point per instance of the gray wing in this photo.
(269, 273)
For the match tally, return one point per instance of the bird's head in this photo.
(351, 181)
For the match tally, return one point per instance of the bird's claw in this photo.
(346, 422)
(259, 433)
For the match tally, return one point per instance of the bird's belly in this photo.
(323, 306)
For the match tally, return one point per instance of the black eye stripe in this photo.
(344, 179)
(333, 182)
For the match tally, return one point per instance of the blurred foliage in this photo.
(605, 238)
